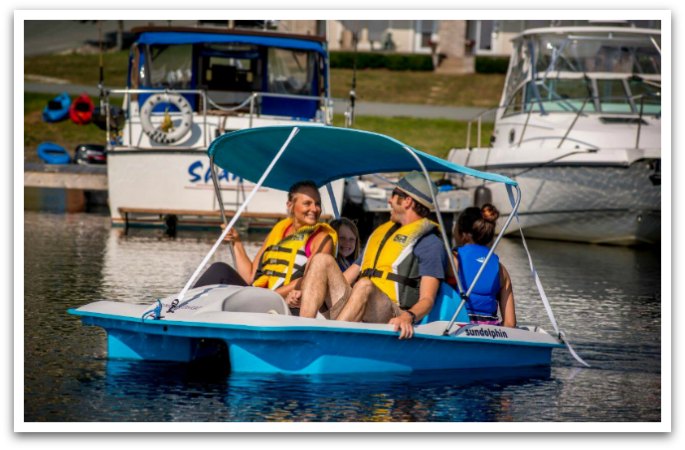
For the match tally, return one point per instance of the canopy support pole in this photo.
(237, 215)
(443, 234)
(217, 191)
(334, 204)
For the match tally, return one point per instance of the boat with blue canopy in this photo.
(253, 326)
(187, 86)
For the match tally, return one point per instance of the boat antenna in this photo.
(349, 114)
(102, 69)
(101, 82)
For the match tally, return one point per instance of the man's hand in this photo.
(403, 324)
(294, 298)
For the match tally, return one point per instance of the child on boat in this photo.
(474, 231)
(348, 242)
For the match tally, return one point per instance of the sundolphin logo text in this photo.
(487, 332)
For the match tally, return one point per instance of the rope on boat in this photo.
(545, 301)
(233, 108)
(154, 313)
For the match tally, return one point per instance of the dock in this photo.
(66, 176)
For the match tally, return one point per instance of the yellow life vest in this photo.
(389, 260)
(285, 258)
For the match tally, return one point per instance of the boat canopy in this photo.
(178, 37)
(323, 154)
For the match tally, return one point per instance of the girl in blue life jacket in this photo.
(474, 231)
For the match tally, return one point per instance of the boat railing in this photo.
(637, 103)
(252, 102)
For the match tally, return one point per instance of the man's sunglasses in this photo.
(399, 193)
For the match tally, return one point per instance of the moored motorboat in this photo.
(579, 128)
(185, 87)
(253, 326)
(57, 109)
(81, 110)
(51, 153)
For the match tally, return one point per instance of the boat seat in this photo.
(255, 299)
(447, 301)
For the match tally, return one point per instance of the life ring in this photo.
(169, 131)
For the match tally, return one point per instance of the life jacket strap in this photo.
(375, 273)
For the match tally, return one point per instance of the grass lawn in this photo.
(379, 85)
(65, 133)
(425, 88)
(434, 136)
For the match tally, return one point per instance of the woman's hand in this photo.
(294, 298)
(232, 236)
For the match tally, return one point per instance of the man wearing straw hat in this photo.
(396, 278)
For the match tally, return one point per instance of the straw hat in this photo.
(414, 184)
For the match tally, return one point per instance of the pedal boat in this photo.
(252, 327)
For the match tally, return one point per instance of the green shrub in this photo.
(377, 60)
(492, 64)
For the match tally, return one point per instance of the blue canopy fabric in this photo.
(177, 37)
(322, 154)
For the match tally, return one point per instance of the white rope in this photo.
(541, 290)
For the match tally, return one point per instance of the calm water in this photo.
(606, 299)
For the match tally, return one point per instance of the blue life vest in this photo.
(482, 303)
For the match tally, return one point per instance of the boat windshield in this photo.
(232, 68)
(618, 73)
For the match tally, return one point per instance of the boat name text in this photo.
(196, 169)
(486, 332)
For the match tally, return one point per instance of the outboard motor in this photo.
(482, 196)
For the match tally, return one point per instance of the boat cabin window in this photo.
(613, 97)
(230, 67)
(169, 66)
(291, 72)
(596, 53)
(562, 95)
(603, 72)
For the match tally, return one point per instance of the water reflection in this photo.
(483, 395)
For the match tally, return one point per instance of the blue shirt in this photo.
(430, 252)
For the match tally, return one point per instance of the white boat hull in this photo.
(146, 178)
(598, 201)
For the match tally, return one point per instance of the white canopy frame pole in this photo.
(445, 241)
(237, 214)
(334, 204)
(485, 262)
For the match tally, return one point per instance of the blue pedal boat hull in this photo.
(260, 342)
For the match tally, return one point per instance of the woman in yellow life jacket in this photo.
(282, 260)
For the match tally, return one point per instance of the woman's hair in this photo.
(339, 222)
(296, 189)
(299, 186)
(479, 223)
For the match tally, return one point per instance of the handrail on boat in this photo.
(479, 117)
